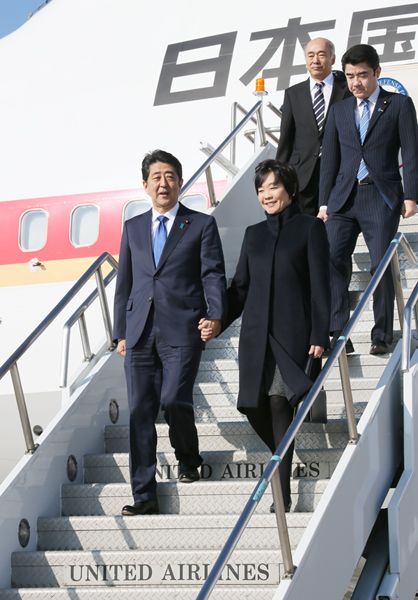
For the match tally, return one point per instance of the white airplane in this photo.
(87, 87)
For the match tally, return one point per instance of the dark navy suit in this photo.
(157, 311)
(373, 209)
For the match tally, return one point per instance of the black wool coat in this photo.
(281, 288)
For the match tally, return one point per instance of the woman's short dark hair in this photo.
(160, 156)
(361, 53)
(284, 174)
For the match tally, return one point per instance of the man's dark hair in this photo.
(160, 156)
(284, 174)
(361, 53)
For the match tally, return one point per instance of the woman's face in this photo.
(273, 196)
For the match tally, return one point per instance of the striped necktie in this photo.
(363, 125)
(319, 105)
(160, 238)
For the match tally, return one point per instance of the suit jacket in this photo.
(300, 141)
(189, 282)
(393, 126)
(281, 285)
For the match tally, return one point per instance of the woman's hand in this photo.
(209, 329)
(317, 351)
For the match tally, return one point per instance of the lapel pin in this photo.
(186, 222)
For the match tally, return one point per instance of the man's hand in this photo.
(317, 351)
(322, 214)
(121, 347)
(409, 208)
(209, 328)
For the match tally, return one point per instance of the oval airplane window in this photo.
(33, 230)
(195, 201)
(84, 228)
(135, 208)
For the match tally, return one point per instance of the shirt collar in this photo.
(171, 214)
(372, 98)
(329, 80)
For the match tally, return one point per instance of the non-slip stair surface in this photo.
(92, 553)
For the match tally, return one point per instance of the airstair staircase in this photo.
(90, 552)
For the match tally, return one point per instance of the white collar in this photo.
(329, 80)
(372, 98)
(170, 214)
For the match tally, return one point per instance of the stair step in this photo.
(228, 437)
(173, 532)
(218, 465)
(163, 592)
(137, 568)
(202, 497)
(232, 375)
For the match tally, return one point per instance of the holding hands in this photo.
(209, 328)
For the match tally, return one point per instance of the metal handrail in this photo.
(250, 134)
(11, 363)
(79, 316)
(205, 167)
(410, 307)
(338, 352)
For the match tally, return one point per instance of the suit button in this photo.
(150, 299)
(155, 277)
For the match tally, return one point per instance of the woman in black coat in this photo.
(281, 288)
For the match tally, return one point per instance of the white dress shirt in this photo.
(326, 90)
(372, 105)
(171, 215)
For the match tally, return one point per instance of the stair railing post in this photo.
(82, 325)
(260, 126)
(104, 306)
(396, 275)
(211, 186)
(233, 146)
(65, 356)
(21, 406)
(282, 528)
(348, 397)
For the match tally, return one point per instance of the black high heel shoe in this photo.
(287, 507)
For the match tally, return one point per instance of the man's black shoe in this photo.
(148, 507)
(188, 474)
(379, 347)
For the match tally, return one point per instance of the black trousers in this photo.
(270, 421)
(159, 374)
(308, 197)
(365, 212)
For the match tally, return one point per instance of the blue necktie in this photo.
(364, 124)
(160, 238)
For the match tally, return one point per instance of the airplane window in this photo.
(33, 230)
(195, 201)
(84, 229)
(134, 208)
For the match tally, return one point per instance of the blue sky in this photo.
(14, 13)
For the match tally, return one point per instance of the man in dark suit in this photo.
(171, 274)
(305, 110)
(360, 185)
